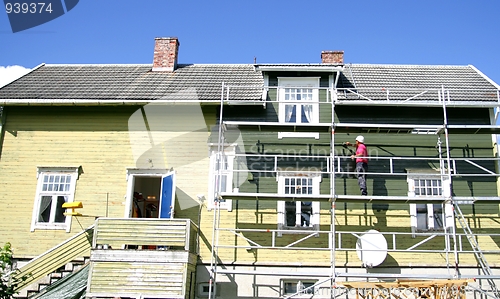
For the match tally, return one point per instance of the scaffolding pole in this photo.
(332, 191)
(216, 198)
(445, 174)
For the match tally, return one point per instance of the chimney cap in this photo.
(167, 38)
(333, 51)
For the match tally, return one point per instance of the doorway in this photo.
(150, 195)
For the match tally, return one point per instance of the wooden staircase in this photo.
(38, 286)
(56, 263)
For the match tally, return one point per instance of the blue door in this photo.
(167, 198)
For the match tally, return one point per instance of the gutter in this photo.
(114, 102)
(2, 128)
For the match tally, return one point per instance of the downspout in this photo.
(2, 127)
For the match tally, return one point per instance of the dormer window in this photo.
(298, 104)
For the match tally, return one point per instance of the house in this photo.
(235, 180)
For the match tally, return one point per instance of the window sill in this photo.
(50, 227)
(282, 135)
(421, 230)
(299, 230)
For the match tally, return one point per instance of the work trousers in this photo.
(361, 169)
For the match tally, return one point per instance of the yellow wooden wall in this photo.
(98, 140)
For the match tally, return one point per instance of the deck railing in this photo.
(145, 233)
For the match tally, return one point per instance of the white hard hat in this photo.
(360, 139)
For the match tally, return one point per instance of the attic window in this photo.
(298, 104)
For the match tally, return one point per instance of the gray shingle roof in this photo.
(203, 82)
(136, 82)
(401, 82)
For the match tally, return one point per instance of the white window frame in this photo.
(288, 83)
(315, 205)
(229, 156)
(42, 191)
(299, 287)
(423, 217)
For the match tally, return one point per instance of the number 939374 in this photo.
(28, 7)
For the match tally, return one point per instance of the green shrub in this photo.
(8, 282)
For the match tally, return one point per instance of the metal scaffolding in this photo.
(453, 241)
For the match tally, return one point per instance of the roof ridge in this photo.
(98, 64)
(408, 65)
(142, 64)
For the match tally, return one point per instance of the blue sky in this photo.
(458, 32)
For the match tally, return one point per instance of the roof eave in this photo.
(115, 102)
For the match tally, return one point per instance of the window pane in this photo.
(429, 187)
(306, 285)
(305, 213)
(223, 183)
(290, 210)
(59, 215)
(306, 114)
(44, 209)
(290, 287)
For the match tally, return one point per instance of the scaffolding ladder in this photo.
(481, 260)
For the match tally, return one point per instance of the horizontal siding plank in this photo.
(120, 232)
(138, 278)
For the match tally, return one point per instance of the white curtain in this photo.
(308, 112)
(45, 202)
(288, 112)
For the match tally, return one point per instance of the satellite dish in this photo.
(371, 248)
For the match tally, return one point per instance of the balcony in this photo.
(143, 258)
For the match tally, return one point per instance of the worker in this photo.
(361, 157)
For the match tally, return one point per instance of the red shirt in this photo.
(361, 151)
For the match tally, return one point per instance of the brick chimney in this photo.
(165, 56)
(332, 57)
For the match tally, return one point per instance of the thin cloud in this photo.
(11, 73)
